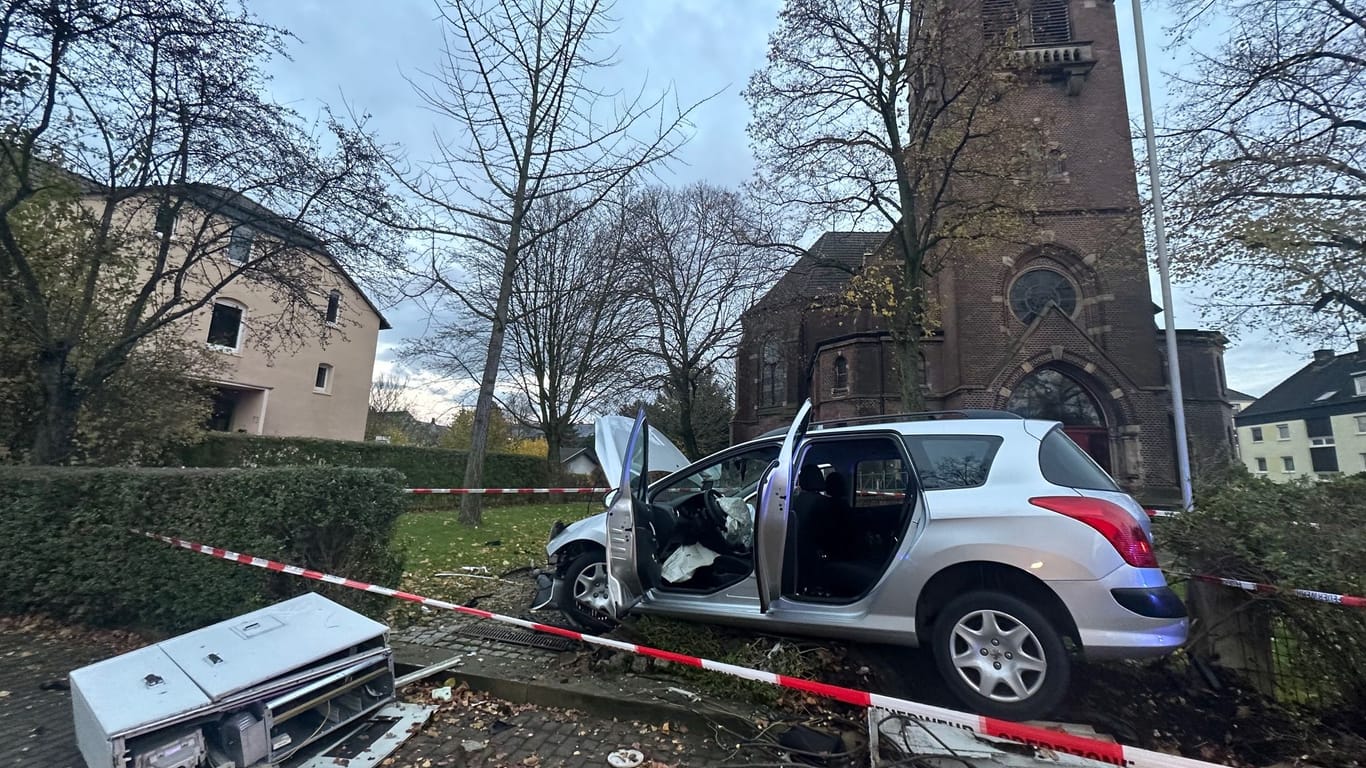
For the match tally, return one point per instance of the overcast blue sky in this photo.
(360, 52)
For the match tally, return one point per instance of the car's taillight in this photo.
(1116, 525)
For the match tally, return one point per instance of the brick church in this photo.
(1063, 329)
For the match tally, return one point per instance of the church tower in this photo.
(1060, 328)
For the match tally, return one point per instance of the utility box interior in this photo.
(250, 691)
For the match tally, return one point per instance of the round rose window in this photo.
(1037, 289)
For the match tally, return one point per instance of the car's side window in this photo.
(952, 461)
(736, 476)
(880, 482)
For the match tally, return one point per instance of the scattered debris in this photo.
(689, 695)
(625, 758)
(442, 694)
(471, 745)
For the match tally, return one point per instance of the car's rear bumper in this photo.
(1130, 613)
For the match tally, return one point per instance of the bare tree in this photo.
(703, 256)
(893, 112)
(570, 322)
(1266, 163)
(515, 86)
(142, 170)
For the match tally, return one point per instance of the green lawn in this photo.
(512, 536)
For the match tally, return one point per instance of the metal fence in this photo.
(1297, 651)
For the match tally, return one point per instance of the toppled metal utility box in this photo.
(249, 691)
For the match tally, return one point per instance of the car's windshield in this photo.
(735, 476)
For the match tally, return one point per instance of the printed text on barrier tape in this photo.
(1350, 601)
(492, 491)
(1094, 749)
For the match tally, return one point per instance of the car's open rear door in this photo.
(771, 519)
(625, 544)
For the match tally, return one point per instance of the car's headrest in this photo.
(835, 485)
(811, 479)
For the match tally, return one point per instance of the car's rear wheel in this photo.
(1000, 656)
(584, 599)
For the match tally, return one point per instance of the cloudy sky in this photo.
(361, 53)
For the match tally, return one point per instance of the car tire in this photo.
(1001, 656)
(586, 579)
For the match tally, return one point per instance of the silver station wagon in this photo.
(994, 541)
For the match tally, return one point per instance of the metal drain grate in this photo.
(519, 636)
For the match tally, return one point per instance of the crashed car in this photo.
(993, 540)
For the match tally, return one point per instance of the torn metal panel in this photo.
(379, 737)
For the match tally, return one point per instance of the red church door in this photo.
(1095, 441)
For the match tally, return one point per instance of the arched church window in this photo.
(841, 377)
(772, 376)
(1000, 18)
(1053, 395)
(1038, 289)
(1049, 23)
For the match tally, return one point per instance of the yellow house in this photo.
(291, 336)
(1313, 424)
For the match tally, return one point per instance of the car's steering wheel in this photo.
(714, 513)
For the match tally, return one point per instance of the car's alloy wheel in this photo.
(585, 600)
(1001, 656)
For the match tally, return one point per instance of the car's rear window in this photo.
(952, 461)
(1063, 462)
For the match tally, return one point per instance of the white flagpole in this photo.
(1183, 464)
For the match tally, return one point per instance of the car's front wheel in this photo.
(1000, 656)
(584, 599)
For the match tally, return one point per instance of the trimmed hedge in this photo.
(421, 467)
(67, 550)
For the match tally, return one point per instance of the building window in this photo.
(1056, 164)
(333, 306)
(1363, 462)
(1038, 289)
(1000, 19)
(1282, 431)
(1321, 442)
(1053, 395)
(1256, 434)
(322, 380)
(239, 244)
(1287, 463)
(1361, 425)
(1049, 23)
(1359, 384)
(772, 376)
(1261, 465)
(841, 378)
(225, 326)
(164, 226)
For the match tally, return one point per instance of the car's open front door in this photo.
(629, 546)
(771, 519)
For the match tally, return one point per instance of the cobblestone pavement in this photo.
(35, 705)
(473, 730)
(478, 730)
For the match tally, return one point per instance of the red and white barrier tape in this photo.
(495, 491)
(1162, 513)
(1094, 749)
(1350, 601)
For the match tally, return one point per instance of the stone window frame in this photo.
(839, 379)
(772, 377)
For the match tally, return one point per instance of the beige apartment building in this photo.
(285, 362)
(1313, 424)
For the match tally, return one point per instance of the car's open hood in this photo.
(611, 434)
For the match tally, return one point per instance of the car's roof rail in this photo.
(960, 413)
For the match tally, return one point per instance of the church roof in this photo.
(826, 265)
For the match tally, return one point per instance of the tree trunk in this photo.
(687, 432)
(911, 367)
(472, 505)
(55, 437)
